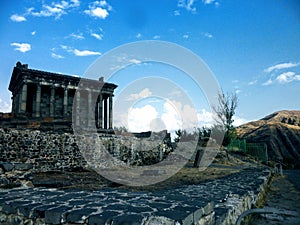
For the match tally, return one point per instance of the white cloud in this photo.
(4, 106)
(135, 61)
(287, 77)
(238, 121)
(17, 18)
(55, 9)
(209, 2)
(97, 36)
(156, 37)
(176, 13)
(281, 66)
(237, 91)
(85, 52)
(22, 47)
(140, 119)
(268, 82)
(205, 118)
(56, 56)
(143, 94)
(208, 35)
(188, 5)
(179, 116)
(252, 82)
(186, 36)
(139, 35)
(171, 117)
(33, 33)
(78, 36)
(49, 11)
(99, 9)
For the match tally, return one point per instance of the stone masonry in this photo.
(218, 202)
(41, 96)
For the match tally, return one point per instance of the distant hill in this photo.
(280, 131)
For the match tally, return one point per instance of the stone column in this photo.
(110, 112)
(13, 107)
(38, 101)
(90, 110)
(23, 99)
(65, 106)
(77, 108)
(52, 98)
(100, 111)
(105, 113)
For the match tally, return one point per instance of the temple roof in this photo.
(21, 72)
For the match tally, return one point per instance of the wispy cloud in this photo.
(281, 66)
(98, 9)
(56, 56)
(280, 74)
(135, 61)
(97, 36)
(85, 52)
(188, 5)
(252, 82)
(4, 106)
(142, 94)
(156, 37)
(77, 36)
(185, 36)
(139, 35)
(176, 13)
(17, 18)
(47, 10)
(210, 2)
(207, 35)
(287, 77)
(21, 47)
(268, 82)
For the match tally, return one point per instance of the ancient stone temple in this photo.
(45, 98)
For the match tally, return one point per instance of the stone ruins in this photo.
(43, 99)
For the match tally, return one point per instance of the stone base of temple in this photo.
(56, 124)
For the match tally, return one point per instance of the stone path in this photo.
(210, 201)
(284, 196)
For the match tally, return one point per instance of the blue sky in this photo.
(252, 47)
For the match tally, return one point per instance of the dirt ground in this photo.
(283, 195)
(222, 166)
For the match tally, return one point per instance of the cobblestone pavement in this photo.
(185, 204)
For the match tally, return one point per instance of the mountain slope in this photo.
(280, 131)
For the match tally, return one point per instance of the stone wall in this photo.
(47, 151)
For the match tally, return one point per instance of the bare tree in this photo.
(225, 112)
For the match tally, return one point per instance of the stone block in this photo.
(7, 167)
(39, 212)
(131, 219)
(55, 215)
(22, 166)
(102, 218)
(4, 181)
(9, 208)
(79, 216)
(26, 210)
